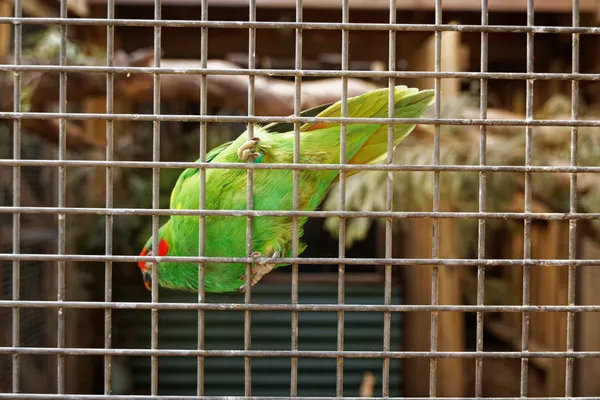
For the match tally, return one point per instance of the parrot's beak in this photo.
(147, 280)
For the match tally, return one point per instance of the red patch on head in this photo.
(162, 248)
(142, 264)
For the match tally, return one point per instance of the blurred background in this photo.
(227, 95)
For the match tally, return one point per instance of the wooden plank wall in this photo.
(587, 370)
(451, 327)
(548, 286)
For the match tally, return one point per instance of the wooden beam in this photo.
(5, 11)
(586, 6)
(587, 370)
(80, 8)
(42, 9)
(451, 61)
(417, 290)
(451, 325)
(96, 128)
(555, 245)
(39, 9)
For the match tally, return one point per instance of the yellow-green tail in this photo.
(408, 103)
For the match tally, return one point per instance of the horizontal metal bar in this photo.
(302, 25)
(292, 307)
(309, 73)
(36, 396)
(269, 119)
(314, 214)
(302, 167)
(303, 354)
(299, 260)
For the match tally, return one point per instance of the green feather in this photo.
(226, 188)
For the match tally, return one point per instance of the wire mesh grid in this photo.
(18, 348)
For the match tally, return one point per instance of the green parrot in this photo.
(225, 236)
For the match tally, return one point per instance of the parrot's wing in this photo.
(283, 127)
(278, 127)
(367, 105)
(190, 172)
(215, 152)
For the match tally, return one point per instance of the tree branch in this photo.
(272, 96)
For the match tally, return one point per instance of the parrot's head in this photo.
(163, 249)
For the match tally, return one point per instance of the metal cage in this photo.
(39, 275)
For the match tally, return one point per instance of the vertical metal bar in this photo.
(295, 205)
(482, 201)
(250, 203)
(202, 193)
(62, 202)
(387, 316)
(16, 234)
(572, 277)
(435, 240)
(527, 222)
(110, 56)
(342, 183)
(155, 196)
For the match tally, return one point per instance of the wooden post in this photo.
(587, 370)
(417, 279)
(549, 287)
(452, 60)
(451, 326)
(96, 130)
(5, 11)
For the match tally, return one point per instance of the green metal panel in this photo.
(271, 330)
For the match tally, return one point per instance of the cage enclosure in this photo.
(441, 241)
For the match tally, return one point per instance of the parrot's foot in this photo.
(259, 269)
(247, 151)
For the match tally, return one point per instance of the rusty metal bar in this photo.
(296, 200)
(572, 274)
(202, 197)
(312, 73)
(62, 202)
(109, 219)
(16, 229)
(352, 261)
(435, 239)
(292, 119)
(249, 202)
(470, 355)
(336, 26)
(342, 202)
(389, 206)
(155, 197)
(302, 167)
(483, 105)
(292, 307)
(321, 214)
(527, 205)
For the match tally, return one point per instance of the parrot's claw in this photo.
(247, 151)
(271, 259)
(259, 269)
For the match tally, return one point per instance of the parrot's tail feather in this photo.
(408, 103)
